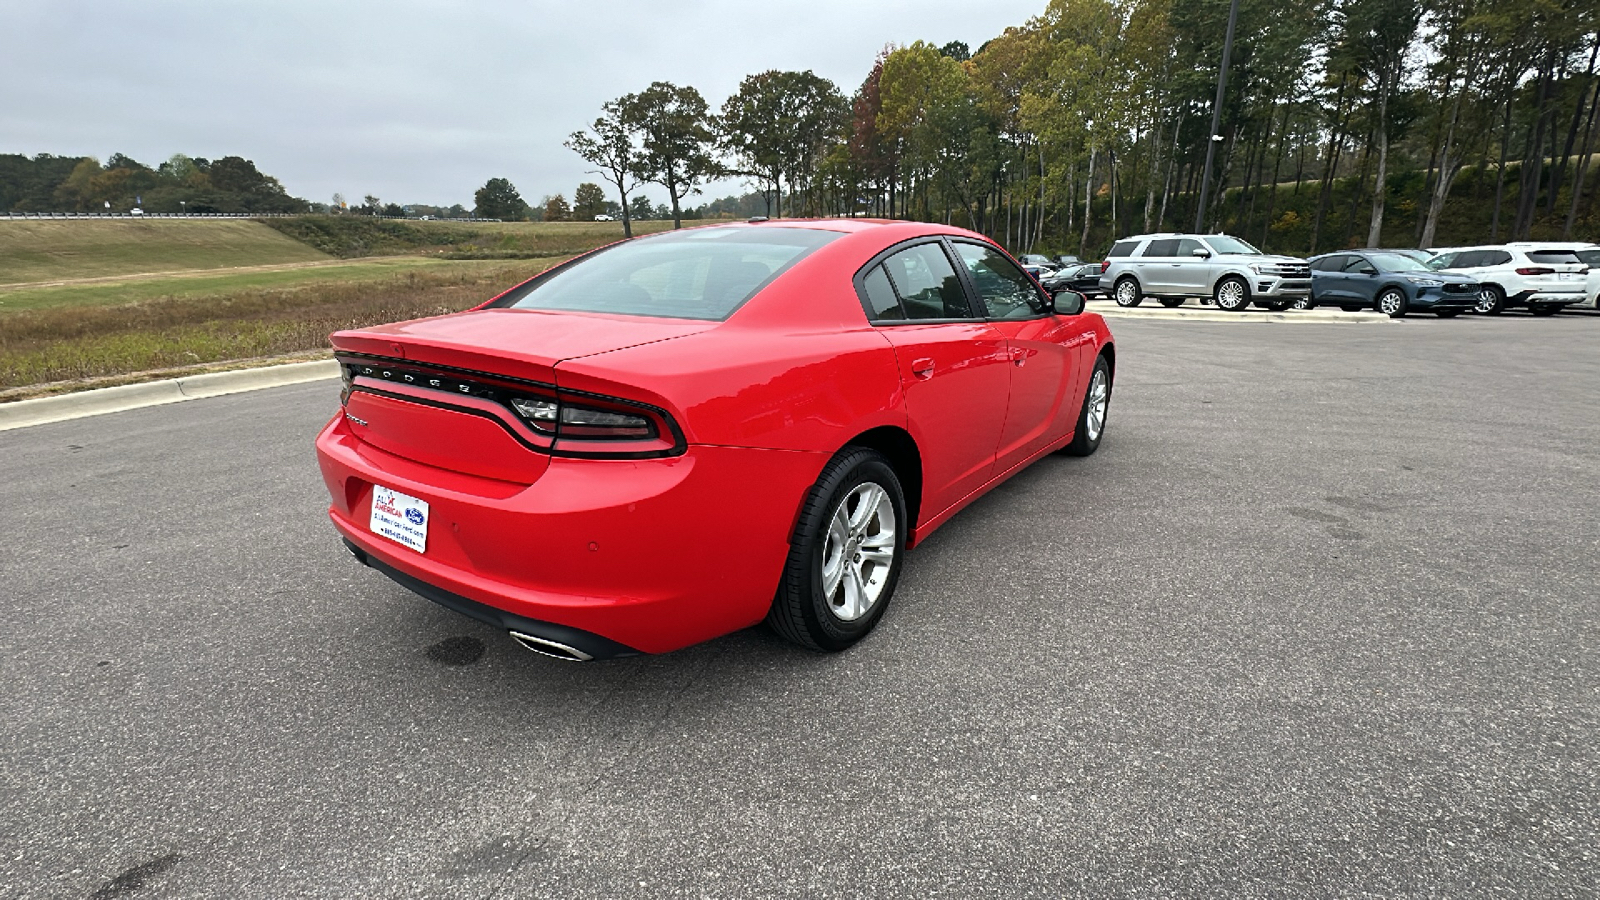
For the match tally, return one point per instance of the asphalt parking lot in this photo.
(1319, 620)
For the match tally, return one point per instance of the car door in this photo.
(1045, 351)
(954, 367)
(1158, 264)
(1360, 281)
(1327, 279)
(1191, 273)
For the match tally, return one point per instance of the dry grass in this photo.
(50, 249)
(77, 343)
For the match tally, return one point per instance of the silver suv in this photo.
(1172, 267)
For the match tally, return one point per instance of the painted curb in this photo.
(25, 413)
(1299, 316)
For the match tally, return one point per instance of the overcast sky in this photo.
(415, 101)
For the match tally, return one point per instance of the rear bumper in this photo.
(647, 555)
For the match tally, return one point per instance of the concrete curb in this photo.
(1295, 316)
(24, 413)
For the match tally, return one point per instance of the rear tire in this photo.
(1447, 313)
(1393, 304)
(1351, 307)
(1275, 305)
(845, 555)
(1232, 294)
(1127, 293)
(1545, 309)
(1092, 417)
(1172, 302)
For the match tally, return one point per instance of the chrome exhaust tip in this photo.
(547, 647)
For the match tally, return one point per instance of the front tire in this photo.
(1232, 294)
(1393, 304)
(1092, 417)
(1128, 294)
(846, 554)
(1491, 300)
(1306, 303)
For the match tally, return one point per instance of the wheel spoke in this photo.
(868, 496)
(855, 593)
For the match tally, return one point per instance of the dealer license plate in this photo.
(400, 518)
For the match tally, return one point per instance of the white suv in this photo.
(1171, 267)
(1544, 277)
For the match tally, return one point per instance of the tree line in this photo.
(47, 183)
(1345, 123)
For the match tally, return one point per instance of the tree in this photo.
(556, 209)
(588, 201)
(498, 199)
(674, 123)
(642, 208)
(779, 125)
(610, 144)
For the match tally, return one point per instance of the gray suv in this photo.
(1213, 267)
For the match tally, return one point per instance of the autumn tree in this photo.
(556, 209)
(779, 125)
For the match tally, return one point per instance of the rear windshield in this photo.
(701, 273)
(1552, 256)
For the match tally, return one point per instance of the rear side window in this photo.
(1588, 257)
(1162, 247)
(880, 300)
(1006, 290)
(1122, 248)
(927, 283)
(701, 273)
(1553, 256)
(1493, 258)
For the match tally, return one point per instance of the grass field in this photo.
(89, 302)
(70, 347)
(33, 250)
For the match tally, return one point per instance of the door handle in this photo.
(1019, 355)
(922, 368)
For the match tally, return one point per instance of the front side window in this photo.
(1494, 258)
(1187, 247)
(1006, 290)
(1444, 261)
(927, 283)
(1395, 262)
(700, 273)
(1359, 266)
(1221, 243)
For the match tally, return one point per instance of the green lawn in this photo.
(34, 250)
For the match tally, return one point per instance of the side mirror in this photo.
(1067, 303)
(1202, 252)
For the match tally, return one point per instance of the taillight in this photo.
(1104, 265)
(560, 418)
(1535, 270)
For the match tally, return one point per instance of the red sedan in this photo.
(680, 435)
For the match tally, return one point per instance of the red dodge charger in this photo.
(680, 435)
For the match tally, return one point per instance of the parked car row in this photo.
(1217, 269)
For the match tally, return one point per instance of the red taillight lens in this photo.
(1104, 265)
(1534, 270)
(574, 422)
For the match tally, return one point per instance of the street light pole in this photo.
(1216, 118)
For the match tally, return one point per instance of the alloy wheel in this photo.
(858, 552)
(1488, 300)
(1099, 397)
(1390, 302)
(1127, 292)
(1230, 296)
